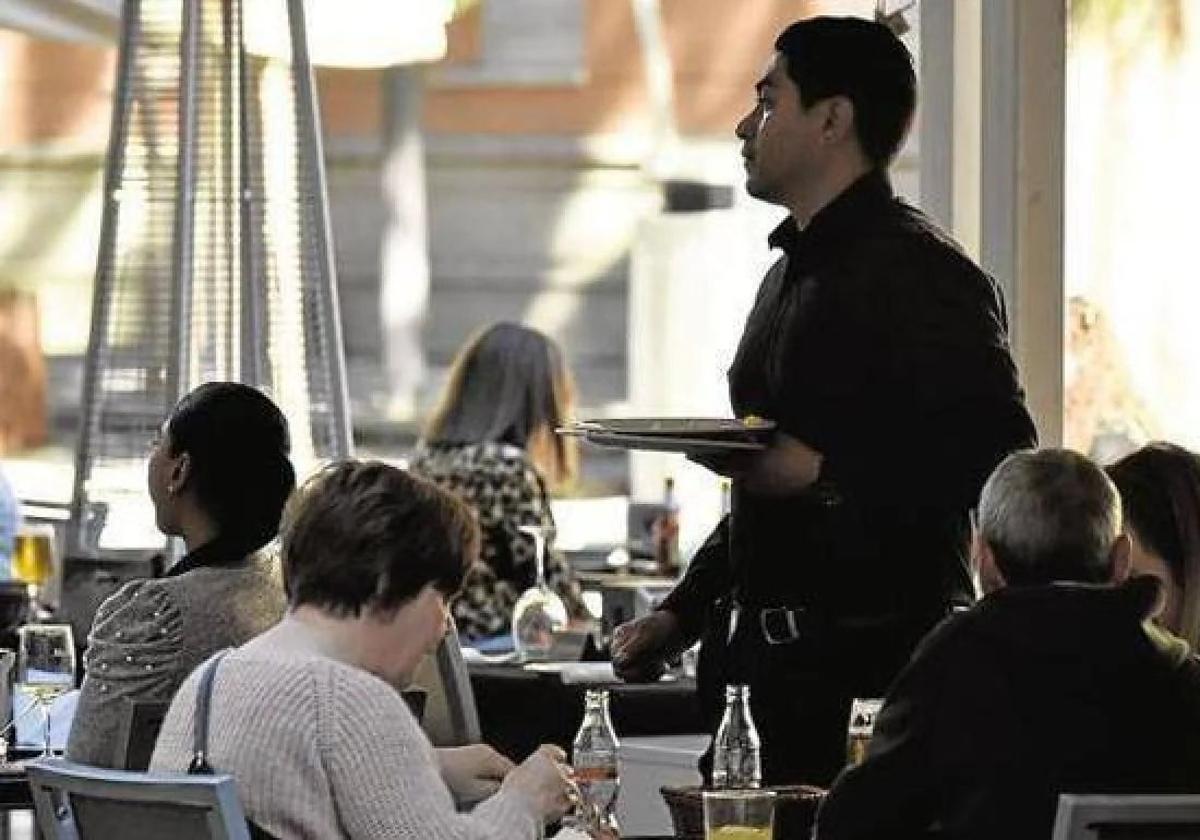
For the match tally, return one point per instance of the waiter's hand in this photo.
(640, 648)
(787, 466)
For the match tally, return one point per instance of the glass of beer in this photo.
(33, 558)
(863, 711)
(739, 814)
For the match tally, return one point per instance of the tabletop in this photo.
(520, 707)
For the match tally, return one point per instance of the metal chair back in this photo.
(451, 718)
(140, 723)
(1127, 817)
(74, 801)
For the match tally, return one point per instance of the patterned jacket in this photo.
(506, 490)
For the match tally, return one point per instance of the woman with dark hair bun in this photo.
(219, 476)
(1160, 493)
(492, 443)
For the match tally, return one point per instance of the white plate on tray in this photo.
(680, 427)
(663, 443)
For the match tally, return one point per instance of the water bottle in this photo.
(737, 760)
(594, 756)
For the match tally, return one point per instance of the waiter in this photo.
(881, 351)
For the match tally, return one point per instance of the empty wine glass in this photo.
(539, 613)
(45, 666)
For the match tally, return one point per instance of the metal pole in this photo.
(185, 222)
(937, 110)
(252, 291)
(306, 101)
(114, 163)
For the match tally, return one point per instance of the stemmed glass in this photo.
(539, 612)
(45, 666)
(33, 561)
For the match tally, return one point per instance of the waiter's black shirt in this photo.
(877, 342)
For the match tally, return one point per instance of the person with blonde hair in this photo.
(492, 443)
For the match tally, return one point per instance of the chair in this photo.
(74, 801)
(140, 722)
(1127, 817)
(451, 718)
(415, 697)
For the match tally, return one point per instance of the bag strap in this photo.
(200, 765)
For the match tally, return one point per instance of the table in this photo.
(520, 708)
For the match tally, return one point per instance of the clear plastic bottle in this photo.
(594, 757)
(737, 761)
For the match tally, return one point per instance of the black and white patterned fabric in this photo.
(507, 491)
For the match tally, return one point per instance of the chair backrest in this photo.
(415, 697)
(140, 722)
(74, 801)
(1127, 817)
(451, 719)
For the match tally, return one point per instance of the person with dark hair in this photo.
(308, 718)
(880, 350)
(1051, 684)
(491, 442)
(219, 476)
(1160, 490)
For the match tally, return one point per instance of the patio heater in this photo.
(215, 258)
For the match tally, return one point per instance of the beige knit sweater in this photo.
(320, 749)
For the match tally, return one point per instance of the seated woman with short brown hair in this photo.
(308, 717)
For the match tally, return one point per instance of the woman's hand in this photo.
(472, 773)
(544, 781)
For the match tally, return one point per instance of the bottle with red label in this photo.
(665, 532)
(594, 756)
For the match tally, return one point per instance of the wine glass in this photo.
(45, 666)
(539, 613)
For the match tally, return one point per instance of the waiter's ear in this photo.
(1120, 560)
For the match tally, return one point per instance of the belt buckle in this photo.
(789, 615)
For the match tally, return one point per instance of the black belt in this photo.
(785, 625)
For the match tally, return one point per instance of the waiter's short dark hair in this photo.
(1051, 515)
(366, 535)
(863, 61)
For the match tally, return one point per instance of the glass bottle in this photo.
(665, 532)
(594, 757)
(539, 613)
(737, 761)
